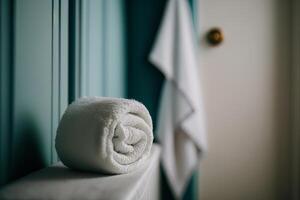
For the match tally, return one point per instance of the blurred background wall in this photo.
(247, 90)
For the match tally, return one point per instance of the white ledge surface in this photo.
(59, 182)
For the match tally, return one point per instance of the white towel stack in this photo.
(108, 135)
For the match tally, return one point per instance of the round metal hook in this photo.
(215, 36)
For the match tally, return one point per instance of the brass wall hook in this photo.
(215, 36)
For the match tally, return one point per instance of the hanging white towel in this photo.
(181, 125)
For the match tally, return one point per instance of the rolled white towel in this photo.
(101, 134)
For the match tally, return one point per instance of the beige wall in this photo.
(246, 83)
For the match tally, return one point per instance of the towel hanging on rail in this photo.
(181, 126)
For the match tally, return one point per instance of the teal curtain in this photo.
(33, 83)
(144, 80)
(97, 48)
(77, 48)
